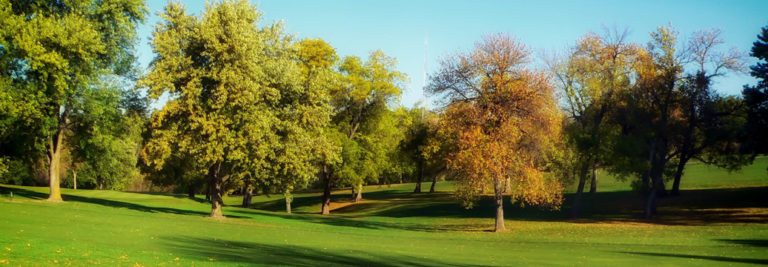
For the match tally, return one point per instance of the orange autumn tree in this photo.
(503, 123)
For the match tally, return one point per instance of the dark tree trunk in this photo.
(247, 197)
(499, 199)
(191, 191)
(593, 183)
(208, 193)
(678, 175)
(656, 176)
(576, 208)
(419, 178)
(661, 190)
(432, 187)
(326, 209)
(215, 188)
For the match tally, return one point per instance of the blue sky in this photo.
(399, 27)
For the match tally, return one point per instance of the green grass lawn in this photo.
(720, 219)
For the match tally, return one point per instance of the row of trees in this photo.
(644, 112)
(252, 109)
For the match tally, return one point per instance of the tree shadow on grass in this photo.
(364, 223)
(108, 203)
(179, 196)
(763, 243)
(253, 253)
(700, 257)
(694, 207)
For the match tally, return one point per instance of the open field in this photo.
(721, 218)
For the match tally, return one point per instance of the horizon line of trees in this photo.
(254, 110)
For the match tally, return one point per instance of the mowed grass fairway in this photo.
(720, 219)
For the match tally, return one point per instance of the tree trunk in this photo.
(191, 191)
(499, 198)
(358, 193)
(247, 196)
(288, 200)
(432, 187)
(54, 155)
(576, 207)
(215, 188)
(593, 183)
(419, 179)
(661, 190)
(326, 209)
(507, 185)
(74, 179)
(678, 175)
(650, 202)
(656, 176)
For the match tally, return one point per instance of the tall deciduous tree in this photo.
(105, 142)
(591, 78)
(56, 49)
(361, 105)
(708, 124)
(224, 88)
(504, 118)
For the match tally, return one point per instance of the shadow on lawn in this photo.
(747, 242)
(700, 257)
(106, 202)
(359, 222)
(252, 253)
(693, 207)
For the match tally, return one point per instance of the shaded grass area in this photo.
(725, 223)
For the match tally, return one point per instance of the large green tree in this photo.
(53, 51)
(104, 144)
(224, 88)
(362, 107)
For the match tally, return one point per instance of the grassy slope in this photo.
(720, 219)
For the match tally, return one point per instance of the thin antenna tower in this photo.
(425, 97)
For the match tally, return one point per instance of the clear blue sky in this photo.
(399, 27)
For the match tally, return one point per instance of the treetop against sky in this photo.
(413, 31)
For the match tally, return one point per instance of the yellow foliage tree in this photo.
(504, 123)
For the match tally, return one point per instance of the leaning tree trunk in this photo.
(593, 183)
(678, 175)
(326, 209)
(358, 193)
(432, 187)
(499, 198)
(215, 189)
(576, 207)
(74, 179)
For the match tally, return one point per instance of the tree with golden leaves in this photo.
(504, 123)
